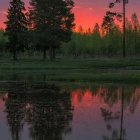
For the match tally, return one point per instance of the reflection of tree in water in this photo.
(112, 95)
(15, 107)
(50, 114)
(110, 116)
(134, 100)
(109, 95)
(128, 98)
(46, 109)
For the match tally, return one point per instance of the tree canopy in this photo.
(16, 27)
(52, 22)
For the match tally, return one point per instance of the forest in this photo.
(97, 43)
(93, 42)
(38, 33)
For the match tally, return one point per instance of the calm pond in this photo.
(39, 111)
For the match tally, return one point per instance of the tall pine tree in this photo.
(52, 22)
(16, 27)
(135, 26)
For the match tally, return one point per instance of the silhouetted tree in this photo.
(108, 25)
(15, 107)
(16, 27)
(52, 22)
(96, 39)
(46, 109)
(119, 16)
(108, 22)
(135, 25)
(3, 41)
(80, 29)
(96, 29)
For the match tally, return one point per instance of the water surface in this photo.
(40, 111)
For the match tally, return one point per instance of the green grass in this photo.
(71, 63)
(70, 70)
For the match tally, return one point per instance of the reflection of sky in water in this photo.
(4, 133)
(88, 121)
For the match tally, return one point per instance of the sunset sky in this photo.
(87, 12)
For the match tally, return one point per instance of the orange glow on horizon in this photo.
(82, 18)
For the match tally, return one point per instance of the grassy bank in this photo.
(70, 70)
(71, 64)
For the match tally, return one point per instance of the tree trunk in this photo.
(135, 46)
(14, 55)
(50, 53)
(124, 29)
(135, 41)
(53, 53)
(44, 54)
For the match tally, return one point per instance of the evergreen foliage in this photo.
(16, 27)
(52, 22)
(49, 24)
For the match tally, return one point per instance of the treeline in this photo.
(105, 40)
(47, 27)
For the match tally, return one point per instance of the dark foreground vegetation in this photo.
(71, 70)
